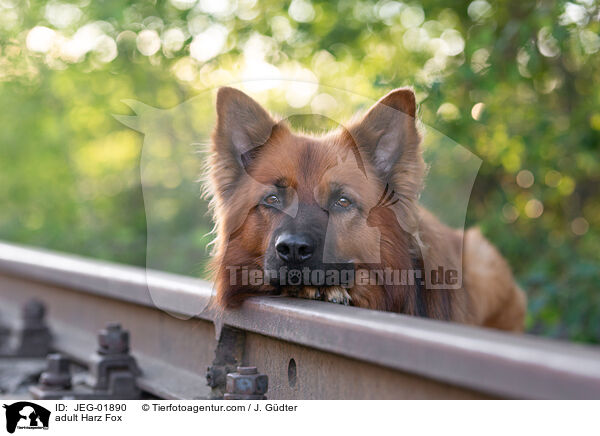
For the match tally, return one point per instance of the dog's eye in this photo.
(271, 200)
(343, 202)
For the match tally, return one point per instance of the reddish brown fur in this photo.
(307, 164)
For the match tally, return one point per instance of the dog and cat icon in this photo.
(26, 415)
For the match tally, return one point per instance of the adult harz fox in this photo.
(295, 214)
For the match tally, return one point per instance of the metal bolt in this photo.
(57, 375)
(113, 340)
(246, 384)
(247, 370)
(33, 313)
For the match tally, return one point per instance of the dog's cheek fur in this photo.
(395, 253)
(245, 248)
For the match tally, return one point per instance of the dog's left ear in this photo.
(388, 131)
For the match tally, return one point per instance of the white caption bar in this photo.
(159, 417)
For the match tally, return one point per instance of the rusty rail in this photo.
(308, 349)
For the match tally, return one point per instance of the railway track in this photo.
(307, 349)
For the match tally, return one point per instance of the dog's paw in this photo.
(337, 294)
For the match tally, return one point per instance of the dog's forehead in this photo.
(318, 160)
(305, 162)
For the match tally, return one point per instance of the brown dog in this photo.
(295, 214)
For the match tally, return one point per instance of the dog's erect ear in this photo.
(242, 125)
(388, 130)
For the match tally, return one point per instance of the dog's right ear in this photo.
(242, 126)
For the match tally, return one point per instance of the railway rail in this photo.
(307, 349)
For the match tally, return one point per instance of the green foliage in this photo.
(516, 82)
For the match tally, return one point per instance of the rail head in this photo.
(519, 366)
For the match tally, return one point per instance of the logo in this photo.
(26, 415)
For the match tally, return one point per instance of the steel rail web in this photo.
(482, 360)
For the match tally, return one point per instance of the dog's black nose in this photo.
(294, 248)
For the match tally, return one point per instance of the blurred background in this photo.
(515, 82)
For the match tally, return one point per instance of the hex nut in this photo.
(247, 381)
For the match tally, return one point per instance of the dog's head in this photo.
(289, 202)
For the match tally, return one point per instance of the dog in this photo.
(305, 215)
